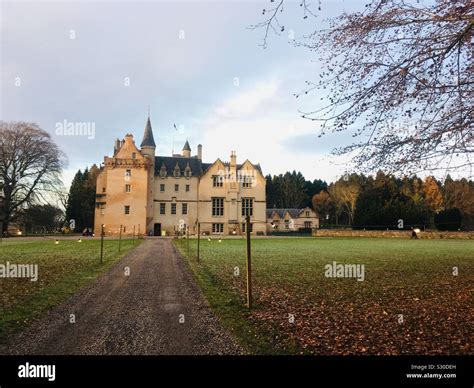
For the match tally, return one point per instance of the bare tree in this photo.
(400, 75)
(30, 166)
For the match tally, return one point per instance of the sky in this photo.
(193, 64)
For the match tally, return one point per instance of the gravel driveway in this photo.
(157, 309)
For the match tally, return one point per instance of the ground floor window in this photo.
(173, 208)
(162, 208)
(247, 207)
(217, 228)
(217, 207)
(308, 224)
(244, 227)
(184, 209)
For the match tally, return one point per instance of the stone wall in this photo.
(429, 234)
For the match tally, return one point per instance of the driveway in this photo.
(156, 309)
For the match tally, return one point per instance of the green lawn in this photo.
(409, 302)
(62, 270)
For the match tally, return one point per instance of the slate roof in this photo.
(148, 140)
(170, 162)
(198, 168)
(294, 213)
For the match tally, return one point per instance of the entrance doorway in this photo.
(157, 230)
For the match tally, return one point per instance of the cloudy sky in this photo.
(196, 64)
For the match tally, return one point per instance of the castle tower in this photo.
(148, 148)
(148, 145)
(187, 150)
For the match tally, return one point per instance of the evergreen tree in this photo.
(81, 201)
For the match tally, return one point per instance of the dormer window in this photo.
(163, 171)
(176, 171)
(187, 171)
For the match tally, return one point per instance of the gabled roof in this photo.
(148, 140)
(198, 168)
(294, 213)
(239, 166)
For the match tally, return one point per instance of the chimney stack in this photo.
(199, 155)
(233, 159)
(117, 146)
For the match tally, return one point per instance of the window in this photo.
(162, 187)
(173, 208)
(217, 228)
(217, 181)
(247, 207)
(127, 209)
(128, 188)
(163, 171)
(176, 187)
(162, 208)
(128, 172)
(103, 189)
(287, 224)
(307, 213)
(217, 207)
(247, 181)
(308, 224)
(134, 155)
(187, 187)
(187, 173)
(244, 227)
(184, 208)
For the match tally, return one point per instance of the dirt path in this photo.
(157, 309)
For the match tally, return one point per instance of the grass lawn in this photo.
(62, 270)
(409, 302)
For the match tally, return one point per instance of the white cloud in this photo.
(248, 102)
(257, 122)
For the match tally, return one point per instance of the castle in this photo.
(169, 195)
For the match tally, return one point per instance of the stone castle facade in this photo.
(169, 195)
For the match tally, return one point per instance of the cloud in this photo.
(261, 123)
(248, 103)
(310, 143)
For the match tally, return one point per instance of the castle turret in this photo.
(186, 150)
(148, 145)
